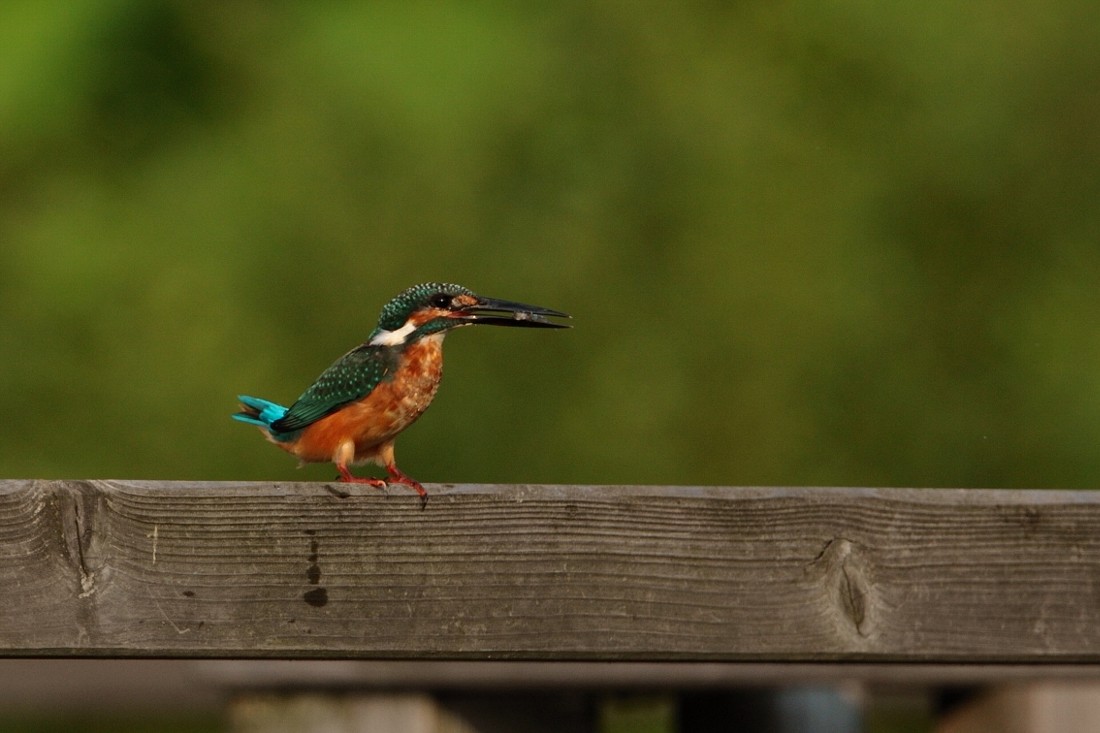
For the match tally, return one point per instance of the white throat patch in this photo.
(393, 338)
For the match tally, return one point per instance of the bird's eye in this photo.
(441, 300)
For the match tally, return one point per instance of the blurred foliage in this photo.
(804, 243)
(637, 714)
(107, 721)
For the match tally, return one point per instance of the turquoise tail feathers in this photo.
(259, 412)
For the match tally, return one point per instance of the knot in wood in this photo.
(844, 573)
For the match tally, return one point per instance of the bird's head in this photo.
(434, 308)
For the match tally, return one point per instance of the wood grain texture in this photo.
(142, 568)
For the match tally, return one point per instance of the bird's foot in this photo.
(397, 477)
(348, 477)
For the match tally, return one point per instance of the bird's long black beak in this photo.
(518, 314)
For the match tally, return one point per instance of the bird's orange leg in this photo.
(385, 452)
(349, 477)
(343, 455)
(346, 452)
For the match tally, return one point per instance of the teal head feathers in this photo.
(431, 308)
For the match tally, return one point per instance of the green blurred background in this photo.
(804, 243)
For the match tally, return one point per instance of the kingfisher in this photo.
(354, 410)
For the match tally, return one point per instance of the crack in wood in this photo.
(76, 532)
(853, 595)
(153, 535)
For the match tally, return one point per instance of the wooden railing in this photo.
(782, 583)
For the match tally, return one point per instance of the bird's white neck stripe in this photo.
(393, 338)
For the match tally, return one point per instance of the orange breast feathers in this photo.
(375, 419)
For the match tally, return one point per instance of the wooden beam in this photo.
(638, 677)
(184, 569)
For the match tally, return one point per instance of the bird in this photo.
(355, 409)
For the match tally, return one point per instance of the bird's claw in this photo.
(396, 477)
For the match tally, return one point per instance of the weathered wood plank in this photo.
(129, 568)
